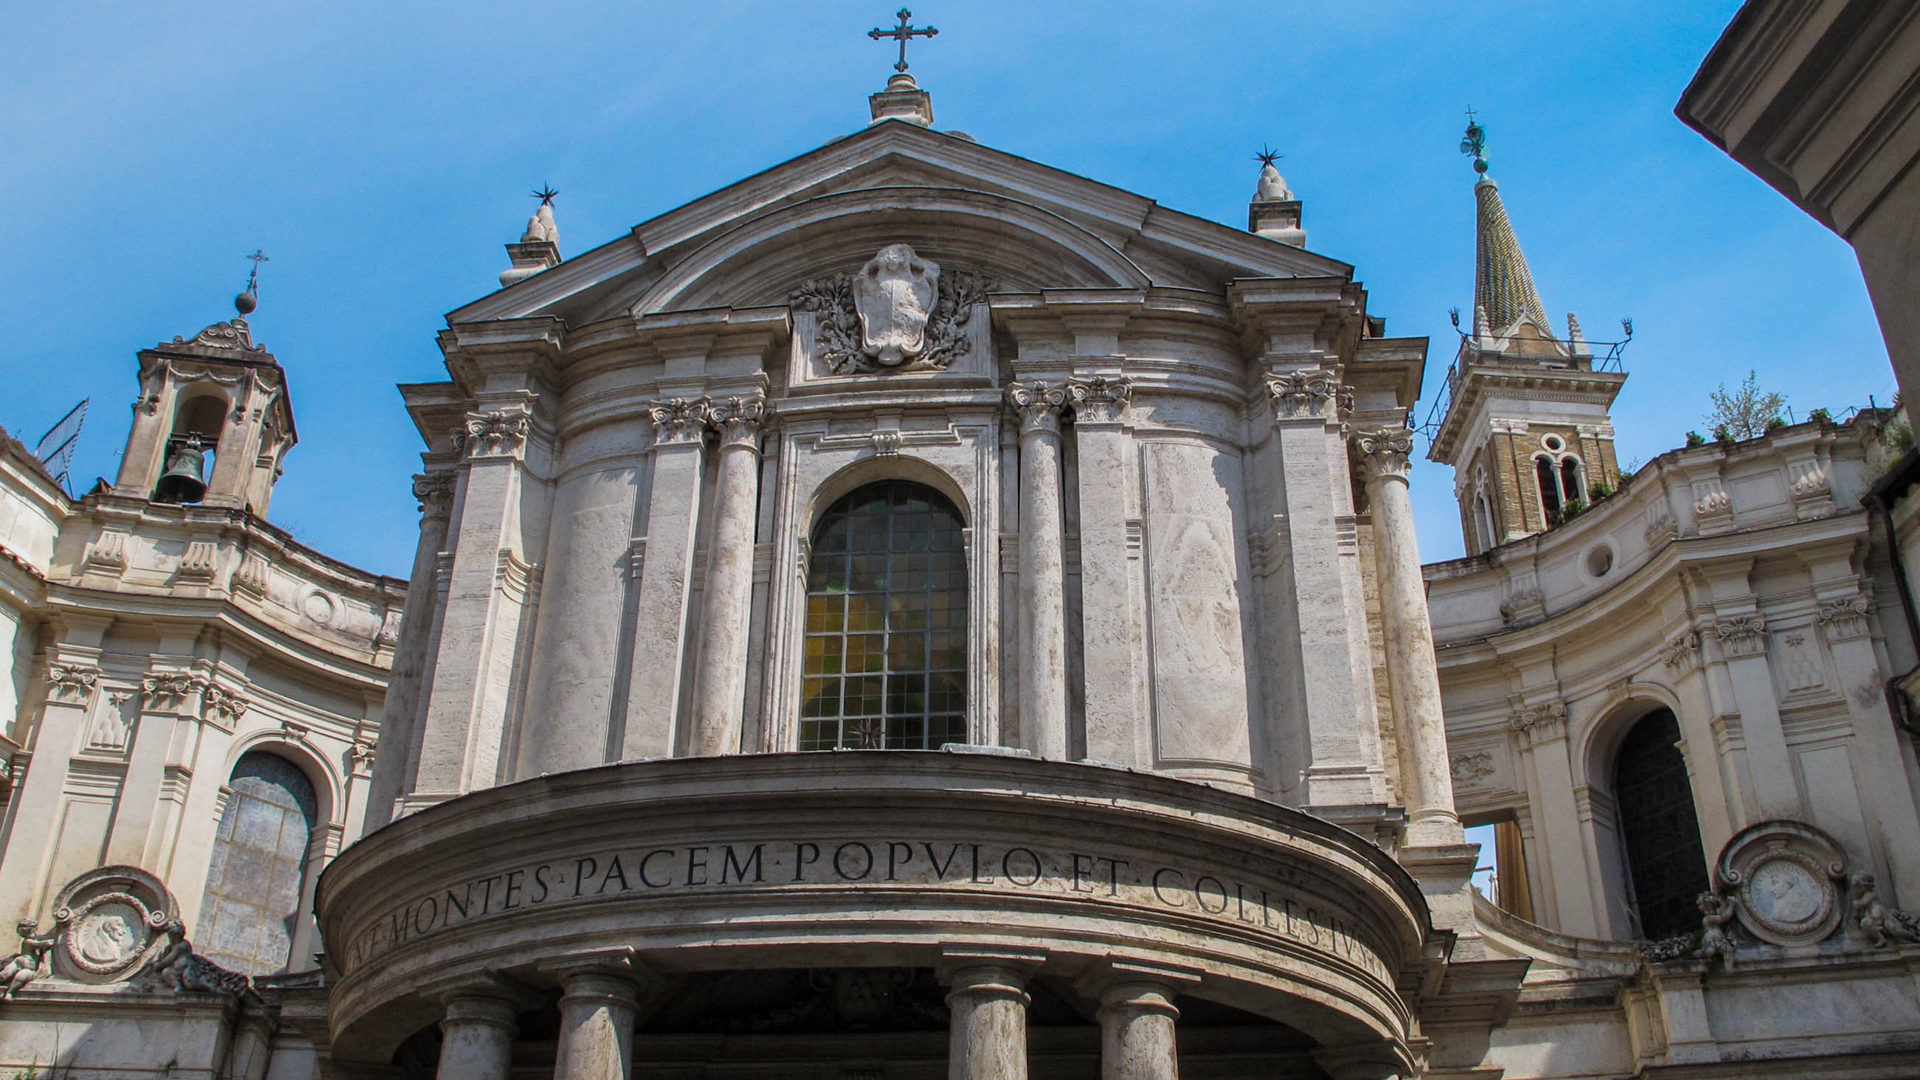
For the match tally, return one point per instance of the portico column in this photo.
(720, 688)
(1411, 667)
(1043, 621)
(1138, 1040)
(596, 1027)
(476, 1038)
(987, 1002)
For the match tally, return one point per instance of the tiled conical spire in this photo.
(1502, 284)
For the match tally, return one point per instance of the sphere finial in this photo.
(249, 297)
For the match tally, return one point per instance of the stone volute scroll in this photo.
(1385, 452)
(679, 420)
(1038, 405)
(899, 311)
(496, 433)
(738, 419)
(1099, 399)
(1312, 394)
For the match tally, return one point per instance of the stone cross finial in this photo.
(903, 34)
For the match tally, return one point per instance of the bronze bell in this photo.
(183, 482)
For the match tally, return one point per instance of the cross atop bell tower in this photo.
(212, 422)
(902, 99)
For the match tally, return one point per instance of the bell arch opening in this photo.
(197, 422)
(885, 665)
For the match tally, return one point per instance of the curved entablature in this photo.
(1020, 246)
(880, 858)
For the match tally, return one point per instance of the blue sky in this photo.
(381, 154)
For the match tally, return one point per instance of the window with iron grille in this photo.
(886, 642)
(1658, 827)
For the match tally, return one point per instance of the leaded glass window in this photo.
(886, 643)
(1659, 828)
(256, 879)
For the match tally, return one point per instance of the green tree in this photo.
(1747, 412)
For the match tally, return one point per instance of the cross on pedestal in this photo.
(903, 34)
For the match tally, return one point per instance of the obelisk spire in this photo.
(1502, 284)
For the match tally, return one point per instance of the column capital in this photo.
(1313, 394)
(496, 433)
(738, 419)
(1140, 985)
(1845, 618)
(991, 971)
(1741, 635)
(679, 420)
(1541, 723)
(435, 493)
(72, 682)
(1038, 404)
(481, 1007)
(1099, 399)
(1384, 452)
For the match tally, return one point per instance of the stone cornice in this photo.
(1660, 572)
(1474, 381)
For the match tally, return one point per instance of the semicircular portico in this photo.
(870, 860)
(1023, 247)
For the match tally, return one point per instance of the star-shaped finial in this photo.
(545, 194)
(1267, 155)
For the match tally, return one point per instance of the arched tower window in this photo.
(886, 652)
(1658, 827)
(1549, 489)
(1571, 487)
(258, 874)
(1561, 479)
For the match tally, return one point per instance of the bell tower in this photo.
(212, 422)
(1525, 417)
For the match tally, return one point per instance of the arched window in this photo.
(1561, 479)
(1658, 827)
(1549, 489)
(1483, 520)
(1571, 489)
(886, 653)
(258, 874)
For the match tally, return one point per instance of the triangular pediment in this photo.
(1027, 226)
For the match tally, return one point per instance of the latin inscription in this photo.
(615, 873)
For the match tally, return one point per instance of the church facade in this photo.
(916, 612)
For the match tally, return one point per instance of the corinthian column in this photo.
(1043, 620)
(1411, 667)
(720, 688)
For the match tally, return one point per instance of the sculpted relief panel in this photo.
(1199, 659)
